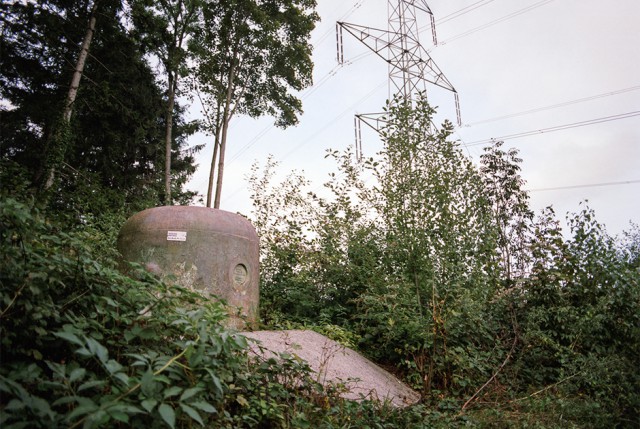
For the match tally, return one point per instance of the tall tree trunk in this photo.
(223, 140)
(60, 140)
(214, 158)
(173, 83)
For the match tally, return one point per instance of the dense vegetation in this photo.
(438, 269)
(434, 267)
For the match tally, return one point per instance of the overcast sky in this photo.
(557, 79)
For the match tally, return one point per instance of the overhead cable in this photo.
(553, 106)
(556, 128)
(497, 21)
(592, 185)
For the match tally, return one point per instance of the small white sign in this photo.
(176, 235)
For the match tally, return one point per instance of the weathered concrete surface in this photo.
(211, 251)
(336, 363)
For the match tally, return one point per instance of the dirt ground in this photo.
(336, 363)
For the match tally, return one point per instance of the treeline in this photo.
(434, 267)
(109, 158)
(439, 270)
(91, 92)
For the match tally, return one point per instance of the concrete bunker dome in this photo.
(211, 251)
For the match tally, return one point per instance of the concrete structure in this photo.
(207, 250)
(335, 364)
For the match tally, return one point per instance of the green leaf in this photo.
(77, 374)
(98, 349)
(82, 409)
(147, 333)
(41, 406)
(82, 351)
(168, 414)
(172, 391)
(64, 400)
(120, 408)
(71, 337)
(97, 419)
(190, 393)
(124, 378)
(119, 415)
(204, 406)
(149, 404)
(147, 384)
(112, 366)
(216, 382)
(162, 378)
(14, 404)
(242, 401)
(192, 413)
(91, 384)
(111, 302)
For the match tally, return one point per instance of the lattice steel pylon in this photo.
(411, 67)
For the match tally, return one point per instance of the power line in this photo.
(556, 128)
(553, 106)
(463, 11)
(318, 132)
(347, 14)
(456, 14)
(335, 70)
(335, 119)
(497, 21)
(591, 185)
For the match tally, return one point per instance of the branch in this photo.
(513, 346)
(546, 388)
(137, 386)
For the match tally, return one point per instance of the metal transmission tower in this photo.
(411, 67)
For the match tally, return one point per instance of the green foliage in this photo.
(255, 53)
(581, 318)
(438, 270)
(84, 346)
(109, 155)
(438, 246)
(510, 206)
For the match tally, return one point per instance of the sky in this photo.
(559, 80)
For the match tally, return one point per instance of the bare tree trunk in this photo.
(82, 59)
(214, 158)
(223, 139)
(173, 79)
(181, 23)
(57, 148)
(223, 146)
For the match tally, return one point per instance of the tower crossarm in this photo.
(415, 62)
(420, 5)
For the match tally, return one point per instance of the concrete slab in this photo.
(336, 363)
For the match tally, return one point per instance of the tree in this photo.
(39, 41)
(112, 153)
(407, 260)
(61, 134)
(510, 204)
(250, 55)
(439, 246)
(580, 318)
(164, 27)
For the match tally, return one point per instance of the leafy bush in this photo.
(84, 346)
(441, 272)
